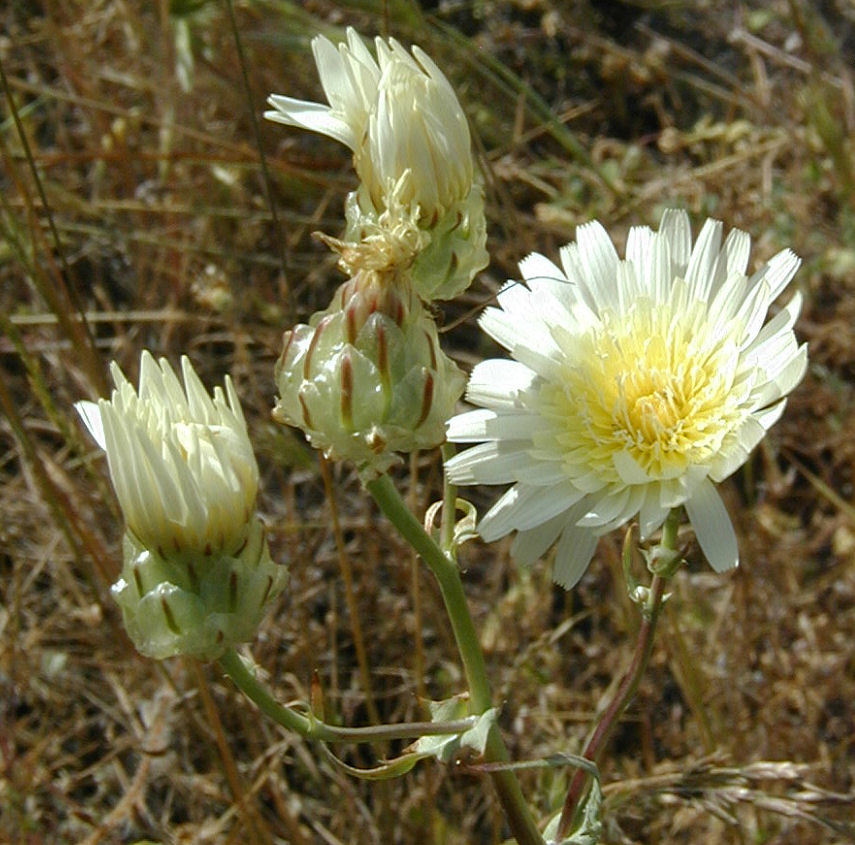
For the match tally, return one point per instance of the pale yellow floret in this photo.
(651, 383)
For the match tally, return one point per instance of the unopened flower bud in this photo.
(367, 378)
(197, 606)
(186, 478)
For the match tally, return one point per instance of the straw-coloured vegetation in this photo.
(142, 190)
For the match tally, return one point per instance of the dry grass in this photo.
(157, 225)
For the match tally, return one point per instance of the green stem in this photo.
(234, 666)
(629, 683)
(445, 571)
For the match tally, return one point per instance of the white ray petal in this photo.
(781, 323)
(91, 416)
(737, 449)
(333, 71)
(572, 264)
(499, 383)
(783, 381)
(541, 472)
(752, 313)
(704, 270)
(770, 355)
(312, 116)
(652, 513)
(779, 272)
(607, 508)
(572, 555)
(524, 341)
(529, 546)
(599, 260)
(530, 317)
(726, 301)
(629, 470)
(359, 50)
(524, 507)
(713, 528)
(487, 424)
(535, 267)
(488, 463)
(737, 248)
(677, 230)
(638, 244)
(767, 417)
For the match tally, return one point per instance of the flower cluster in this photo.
(197, 574)
(366, 378)
(635, 384)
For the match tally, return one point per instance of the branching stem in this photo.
(445, 571)
(311, 728)
(628, 685)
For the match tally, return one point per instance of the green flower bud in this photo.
(448, 250)
(367, 378)
(196, 605)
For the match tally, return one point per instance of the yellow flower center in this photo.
(652, 383)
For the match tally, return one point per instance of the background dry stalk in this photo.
(136, 119)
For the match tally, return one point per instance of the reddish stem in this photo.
(608, 721)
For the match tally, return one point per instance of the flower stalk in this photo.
(629, 684)
(311, 728)
(445, 570)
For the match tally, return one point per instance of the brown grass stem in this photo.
(350, 594)
(260, 832)
(62, 286)
(287, 305)
(66, 519)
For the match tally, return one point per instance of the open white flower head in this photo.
(180, 460)
(636, 384)
(397, 113)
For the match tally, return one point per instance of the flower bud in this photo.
(367, 378)
(197, 571)
(395, 113)
(197, 606)
(449, 253)
(181, 462)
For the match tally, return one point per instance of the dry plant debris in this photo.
(151, 214)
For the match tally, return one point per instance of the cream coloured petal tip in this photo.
(397, 113)
(635, 383)
(179, 458)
